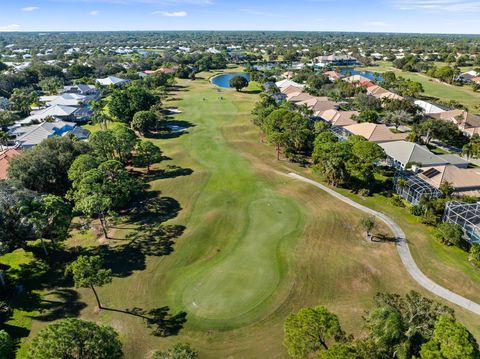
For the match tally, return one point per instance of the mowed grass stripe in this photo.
(250, 217)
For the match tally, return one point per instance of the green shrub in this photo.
(397, 201)
(416, 210)
(6, 345)
(474, 256)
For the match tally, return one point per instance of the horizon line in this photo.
(204, 30)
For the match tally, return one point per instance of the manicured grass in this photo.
(434, 88)
(257, 244)
(16, 258)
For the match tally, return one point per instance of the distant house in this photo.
(59, 112)
(381, 93)
(167, 70)
(287, 83)
(359, 80)
(321, 106)
(112, 81)
(79, 132)
(312, 101)
(65, 99)
(291, 91)
(301, 97)
(339, 118)
(468, 123)
(335, 60)
(476, 80)
(5, 158)
(428, 107)
(333, 75)
(374, 132)
(467, 77)
(81, 89)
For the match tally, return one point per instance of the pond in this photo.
(367, 74)
(224, 80)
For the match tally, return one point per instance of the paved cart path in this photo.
(403, 250)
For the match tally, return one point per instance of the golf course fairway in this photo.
(257, 224)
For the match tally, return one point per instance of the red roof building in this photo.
(5, 158)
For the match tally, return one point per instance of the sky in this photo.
(417, 16)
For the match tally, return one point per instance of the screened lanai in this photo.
(411, 187)
(467, 215)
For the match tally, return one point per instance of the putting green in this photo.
(250, 272)
(250, 227)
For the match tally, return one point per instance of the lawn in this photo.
(257, 245)
(433, 88)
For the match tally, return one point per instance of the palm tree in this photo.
(3, 139)
(396, 118)
(467, 150)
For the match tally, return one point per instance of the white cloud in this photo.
(94, 13)
(438, 5)
(171, 14)
(151, 2)
(11, 27)
(376, 23)
(320, 19)
(30, 8)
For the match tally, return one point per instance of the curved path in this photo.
(403, 250)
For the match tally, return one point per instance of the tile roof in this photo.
(5, 158)
(375, 132)
(461, 118)
(111, 80)
(340, 118)
(405, 152)
(465, 181)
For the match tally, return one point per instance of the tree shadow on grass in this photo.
(17, 333)
(153, 209)
(66, 305)
(171, 171)
(162, 323)
(152, 240)
(383, 238)
(251, 92)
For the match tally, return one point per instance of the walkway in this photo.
(403, 250)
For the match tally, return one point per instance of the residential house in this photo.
(58, 112)
(301, 97)
(287, 83)
(166, 70)
(335, 60)
(311, 102)
(81, 89)
(112, 81)
(468, 123)
(359, 80)
(30, 136)
(5, 158)
(428, 107)
(467, 77)
(333, 75)
(466, 182)
(374, 132)
(339, 118)
(381, 93)
(291, 91)
(65, 99)
(401, 153)
(476, 80)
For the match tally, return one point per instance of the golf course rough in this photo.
(258, 225)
